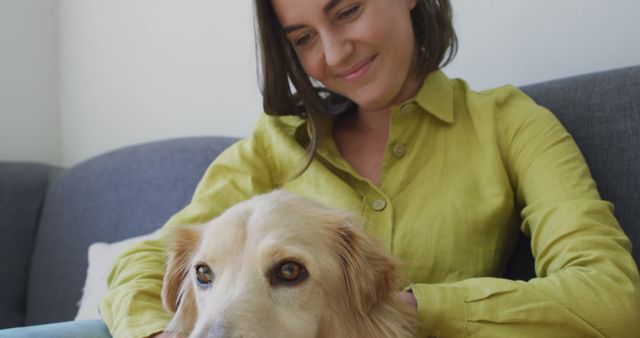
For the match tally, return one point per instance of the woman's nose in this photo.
(336, 49)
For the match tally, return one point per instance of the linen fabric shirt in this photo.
(463, 173)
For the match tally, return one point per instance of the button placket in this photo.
(379, 217)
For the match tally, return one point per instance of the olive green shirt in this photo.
(463, 173)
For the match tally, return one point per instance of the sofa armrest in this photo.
(22, 190)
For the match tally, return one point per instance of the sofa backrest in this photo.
(602, 113)
(22, 190)
(121, 194)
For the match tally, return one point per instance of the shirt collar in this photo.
(436, 96)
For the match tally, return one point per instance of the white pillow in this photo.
(102, 256)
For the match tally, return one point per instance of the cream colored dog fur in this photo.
(279, 265)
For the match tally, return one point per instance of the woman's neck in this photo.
(370, 122)
(377, 119)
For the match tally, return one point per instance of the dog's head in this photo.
(277, 265)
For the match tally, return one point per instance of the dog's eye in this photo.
(291, 272)
(204, 275)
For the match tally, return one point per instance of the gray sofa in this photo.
(49, 216)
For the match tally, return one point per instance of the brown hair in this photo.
(280, 68)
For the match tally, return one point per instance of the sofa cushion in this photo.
(121, 194)
(22, 191)
(101, 257)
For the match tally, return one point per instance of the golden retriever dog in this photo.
(279, 265)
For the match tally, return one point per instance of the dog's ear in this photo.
(177, 293)
(369, 272)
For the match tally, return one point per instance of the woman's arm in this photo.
(588, 283)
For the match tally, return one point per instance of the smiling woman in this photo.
(438, 173)
(443, 177)
(369, 54)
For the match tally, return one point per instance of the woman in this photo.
(438, 173)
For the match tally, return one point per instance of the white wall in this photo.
(526, 41)
(29, 109)
(140, 70)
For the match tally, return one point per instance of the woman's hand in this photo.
(409, 298)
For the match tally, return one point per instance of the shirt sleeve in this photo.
(587, 282)
(133, 307)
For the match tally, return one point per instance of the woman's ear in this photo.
(177, 291)
(369, 272)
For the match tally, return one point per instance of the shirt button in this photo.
(378, 205)
(399, 150)
(407, 108)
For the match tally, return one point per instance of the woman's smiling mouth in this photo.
(357, 72)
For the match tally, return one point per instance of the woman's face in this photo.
(362, 49)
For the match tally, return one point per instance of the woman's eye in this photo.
(348, 13)
(204, 276)
(303, 40)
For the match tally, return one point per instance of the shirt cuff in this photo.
(441, 310)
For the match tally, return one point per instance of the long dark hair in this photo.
(280, 68)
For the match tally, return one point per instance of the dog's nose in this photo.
(220, 328)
